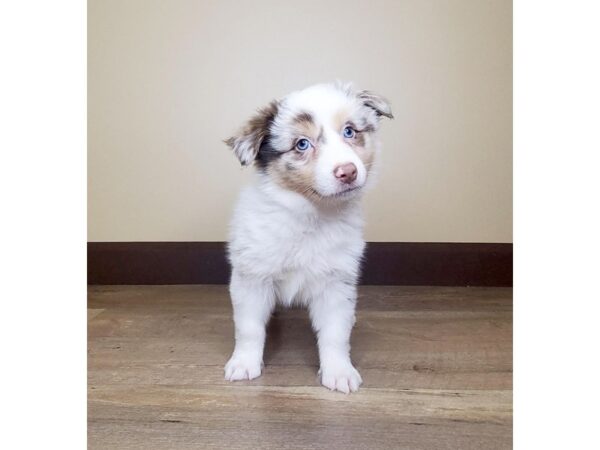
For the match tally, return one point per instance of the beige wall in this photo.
(168, 80)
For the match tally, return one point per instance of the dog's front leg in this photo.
(253, 302)
(332, 316)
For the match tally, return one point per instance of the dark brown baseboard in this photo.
(392, 263)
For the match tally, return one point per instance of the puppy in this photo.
(296, 233)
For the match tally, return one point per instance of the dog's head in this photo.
(319, 142)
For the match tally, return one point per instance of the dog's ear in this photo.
(377, 102)
(247, 141)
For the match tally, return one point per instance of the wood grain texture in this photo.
(436, 364)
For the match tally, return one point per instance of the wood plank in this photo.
(274, 417)
(91, 313)
(436, 363)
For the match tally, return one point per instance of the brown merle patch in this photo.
(249, 140)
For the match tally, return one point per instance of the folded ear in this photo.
(377, 102)
(247, 141)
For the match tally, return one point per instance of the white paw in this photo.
(340, 377)
(242, 368)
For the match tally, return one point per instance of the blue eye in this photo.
(349, 133)
(303, 144)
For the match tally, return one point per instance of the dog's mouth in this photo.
(342, 195)
(345, 193)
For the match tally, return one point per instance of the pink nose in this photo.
(346, 173)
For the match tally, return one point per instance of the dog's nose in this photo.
(346, 173)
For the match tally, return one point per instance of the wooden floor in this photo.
(436, 364)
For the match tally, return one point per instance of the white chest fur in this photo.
(282, 238)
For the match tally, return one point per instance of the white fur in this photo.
(286, 248)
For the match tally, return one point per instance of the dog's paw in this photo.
(242, 368)
(340, 377)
